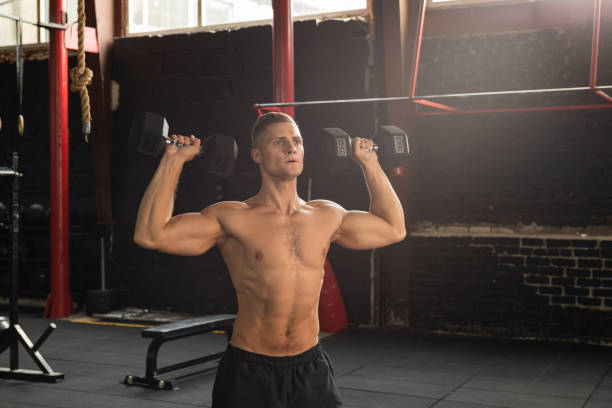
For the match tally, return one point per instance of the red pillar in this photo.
(282, 43)
(59, 302)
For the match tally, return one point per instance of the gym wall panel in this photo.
(513, 211)
(205, 83)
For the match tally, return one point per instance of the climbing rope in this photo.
(80, 76)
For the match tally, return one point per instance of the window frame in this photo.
(356, 13)
(475, 3)
(39, 46)
(39, 35)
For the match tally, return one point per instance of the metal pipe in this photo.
(44, 336)
(283, 62)
(50, 26)
(417, 48)
(603, 95)
(102, 265)
(434, 105)
(513, 110)
(59, 303)
(410, 98)
(188, 363)
(7, 171)
(595, 44)
(15, 270)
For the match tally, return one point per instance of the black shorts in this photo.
(249, 380)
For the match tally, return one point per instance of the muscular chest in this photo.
(274, 241)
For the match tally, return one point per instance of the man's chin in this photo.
(290, 175)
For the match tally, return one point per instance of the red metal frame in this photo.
(514, 110)
(59, 302)
(595, 45)
(592, 81)
(446, 109)
(417, 48)
(425, 102)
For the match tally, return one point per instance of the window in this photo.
(163, 15)
(466, 3)
(34, 10)
(154, 15)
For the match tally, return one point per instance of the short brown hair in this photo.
(265, 120)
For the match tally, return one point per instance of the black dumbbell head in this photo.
(393, 143)
(338, 142)
(147, 134)
(220, 155)
(336, 148)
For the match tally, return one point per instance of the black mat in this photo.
(375, 368)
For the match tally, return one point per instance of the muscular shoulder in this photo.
(224, 207)
(327, 206)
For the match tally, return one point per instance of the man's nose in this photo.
(291, 149)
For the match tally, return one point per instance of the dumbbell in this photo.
(149, 136)
(390, 141)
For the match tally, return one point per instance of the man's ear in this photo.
(256, 155)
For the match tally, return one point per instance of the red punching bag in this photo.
(332, 314)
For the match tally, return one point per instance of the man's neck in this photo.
(279, 194)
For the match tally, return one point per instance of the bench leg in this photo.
(152, 353)
(150, 379)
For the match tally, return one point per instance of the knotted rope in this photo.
(80, 76)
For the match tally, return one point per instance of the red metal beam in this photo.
(417, 48)
(603, 95)
(513, 110)
(282, 42)
(595, 44)
(59, 302)
(431, 104)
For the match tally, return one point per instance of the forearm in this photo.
(157, 203)
(384, 202)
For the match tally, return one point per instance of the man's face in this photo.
(281, 151)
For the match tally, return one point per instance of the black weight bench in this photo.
(173, 331)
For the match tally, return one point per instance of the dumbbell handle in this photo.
(373, 148)
(176, 143)
(171, 142)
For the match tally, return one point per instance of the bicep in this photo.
(363, 230)
(190, 234)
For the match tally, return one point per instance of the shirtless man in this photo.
(274, 245)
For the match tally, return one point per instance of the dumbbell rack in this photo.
(14, 334)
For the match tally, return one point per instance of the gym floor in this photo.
(375, 368)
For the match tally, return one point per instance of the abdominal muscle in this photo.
(277, 310)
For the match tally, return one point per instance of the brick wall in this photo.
(519, 286)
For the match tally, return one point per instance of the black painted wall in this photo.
(513, 210)
(550, 168)
(205, 83)
(33, 149)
